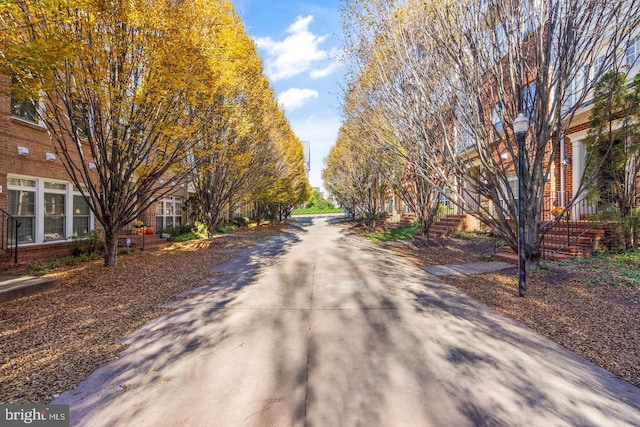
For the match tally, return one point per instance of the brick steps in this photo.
(566, 239)
(446, 225)
(512, 258)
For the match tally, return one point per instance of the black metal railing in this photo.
(567, 223)
(9, 234)
(135, 232)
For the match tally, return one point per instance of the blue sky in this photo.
(299, 43)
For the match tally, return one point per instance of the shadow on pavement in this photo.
(351, 335)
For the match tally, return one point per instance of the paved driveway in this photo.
(320, 328)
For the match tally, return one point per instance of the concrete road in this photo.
(320, 328)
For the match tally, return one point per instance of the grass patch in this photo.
(630, 258)
(401, 233)
(40, 268)
(612, 269)
(316, 210)
(478, 237)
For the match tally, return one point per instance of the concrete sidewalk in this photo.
(320, 328)
(12, 287)
(464, 269)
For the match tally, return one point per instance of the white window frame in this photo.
(64, 193)
(39, 213)
(175, 203)
(75, 193)
(632, 53)
(38, 107)
(529, 100)
(31, 189)
(497, 115)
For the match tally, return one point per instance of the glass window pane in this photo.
(53, 227)
(80, 225)
(26, 231)
(54, 204)
(22, 203)
(54, 216)
(80, 206)
(55, 186)
(25, 110)
(159, 223)
(22, 182)
(632, 53)
(22, 108)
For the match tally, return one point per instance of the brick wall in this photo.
(16, 133)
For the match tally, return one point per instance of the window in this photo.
(598, 67)
(54, 212)
(48, 210)
(531, 12)
(464, 139)
(585, 76)
(21, 108)
(501, 38)
(512, 189)
(22, 202)
(496, 120)
(632, 53)
(169, 213)
(529, 100)
(81, 216)
(80, 120)
(464, 131)
(570, 96)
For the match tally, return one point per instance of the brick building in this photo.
(37, 191)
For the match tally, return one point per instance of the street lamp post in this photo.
(520, 126)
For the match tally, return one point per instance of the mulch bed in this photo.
(51, 341)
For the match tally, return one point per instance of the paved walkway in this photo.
(12, 287)
(464, 269)
(320, 328)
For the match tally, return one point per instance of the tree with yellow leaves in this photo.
(121, 83)
(243, 148)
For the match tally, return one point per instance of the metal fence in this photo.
(9, 234)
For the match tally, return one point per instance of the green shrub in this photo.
(225, 228)
(186, 232)
(125, 251)
(186, 237)
(241, 221)
(179, 230)
(86, 244)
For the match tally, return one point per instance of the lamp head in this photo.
(521, 124)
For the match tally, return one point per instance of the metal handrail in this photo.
(9, 234)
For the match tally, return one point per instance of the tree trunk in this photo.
(111, 248)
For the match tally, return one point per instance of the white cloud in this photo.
(294, 97)
(323, 72)
(296, 53)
